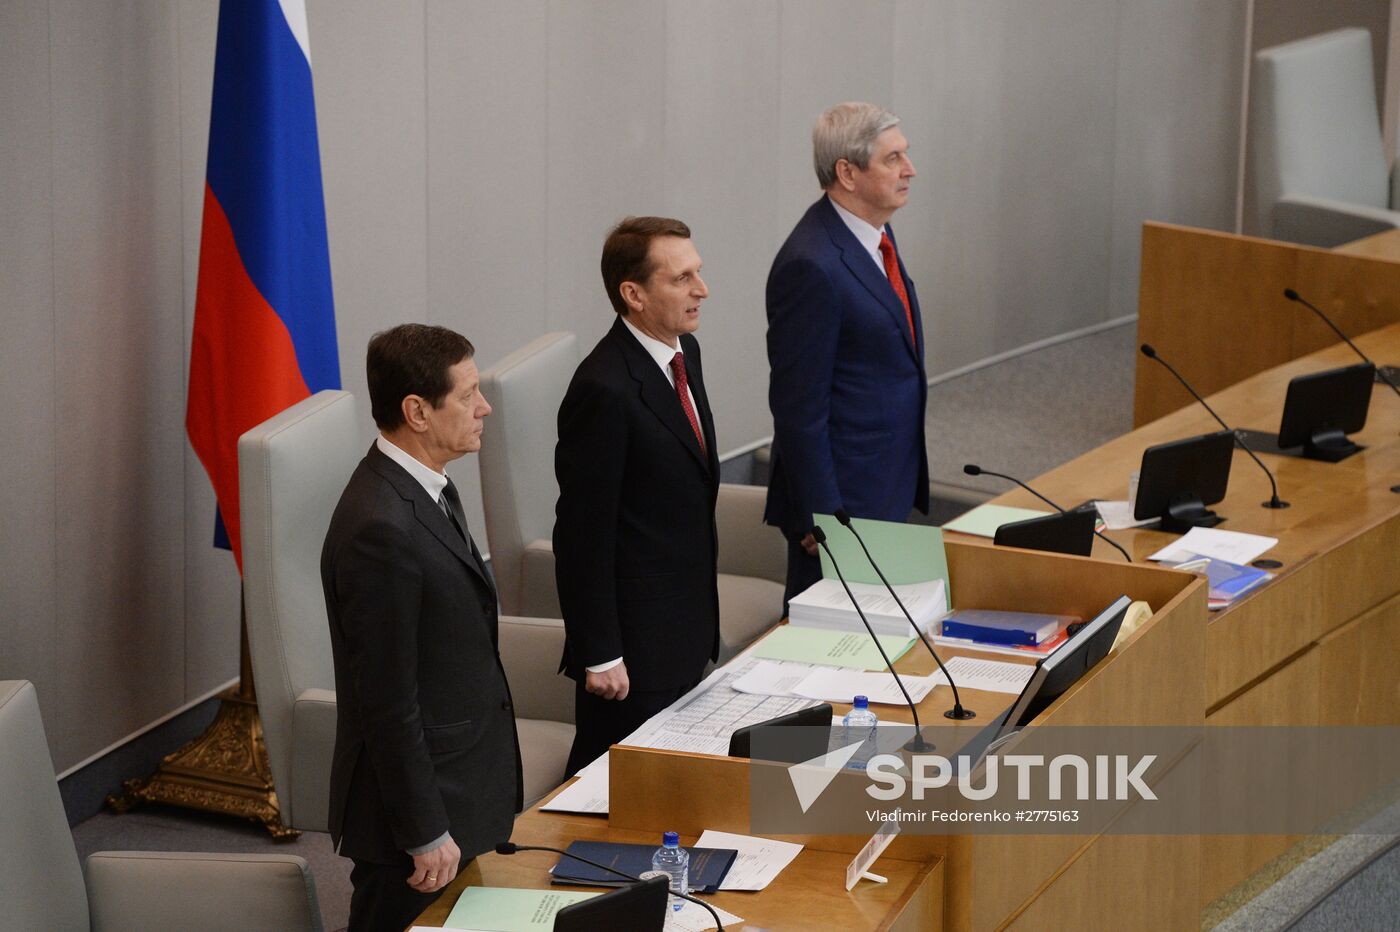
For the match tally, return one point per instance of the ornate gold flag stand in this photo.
(224, 770)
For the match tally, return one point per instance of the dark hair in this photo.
(626, 253)
(411, 359)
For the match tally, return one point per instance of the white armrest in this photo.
(540, 593)
(1319, 221)
(747, 546)
(313, 747)
(530, 651)
(137, 891)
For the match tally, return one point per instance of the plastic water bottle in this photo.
(673, 860)
(860, 724)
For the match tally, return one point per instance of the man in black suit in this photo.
(634, 530)
(427, 765)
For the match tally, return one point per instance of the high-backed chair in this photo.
(41, 882)
(292, 470)
(1320, 174)
(519, 490)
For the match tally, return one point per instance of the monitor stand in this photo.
(1330, 445)
(1185, 513)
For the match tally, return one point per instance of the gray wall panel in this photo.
(607, 70)
(487, 145)
(28, 494)
(118, 323)
(1178, 126)
(1015, 179)
(721, 118)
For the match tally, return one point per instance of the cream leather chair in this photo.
(292, 470)
(519, 491)
(1320, 174)
(41, 883)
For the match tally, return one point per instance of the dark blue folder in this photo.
(707, 865)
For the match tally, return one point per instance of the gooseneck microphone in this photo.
(972, 469)
(507, 847)
(1274, 501)
(957, 712)
(917, 743)
(1292, 295)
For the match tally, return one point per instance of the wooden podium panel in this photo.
(989, 880)
(1212, 305)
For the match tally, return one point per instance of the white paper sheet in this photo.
(992, 675)
(772, 677)
(692, 918)
(1230, 546)
(1118, 516)
(830, 684)
(588, 794)
(759, 862)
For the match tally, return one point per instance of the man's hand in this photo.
(809, 544)
(435, 870)
(610, 684)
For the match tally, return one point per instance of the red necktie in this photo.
(678, 367)
(897, 280)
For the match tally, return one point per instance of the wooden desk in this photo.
(1317, 645)
(943, 881)
(808, 894)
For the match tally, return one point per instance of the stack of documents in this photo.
(826, 605)
(1013, 629)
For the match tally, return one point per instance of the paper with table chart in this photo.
(702, 720)
(759, 862)
(587, 794)
(1230, 546)
(784, 678)
(832, 685)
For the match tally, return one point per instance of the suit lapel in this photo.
(873, 278)
(658, 395)
(429, 514)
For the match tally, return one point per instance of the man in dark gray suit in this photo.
(426, 773)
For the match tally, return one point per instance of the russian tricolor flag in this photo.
(264, 319)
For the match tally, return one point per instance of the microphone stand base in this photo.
(1272, 503)
(959, 715)
(917, 745)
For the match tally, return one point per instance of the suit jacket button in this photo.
(506, 705)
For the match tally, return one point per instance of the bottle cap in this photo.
(670, 840)
(862, 702)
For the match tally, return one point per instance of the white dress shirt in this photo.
(867, 235)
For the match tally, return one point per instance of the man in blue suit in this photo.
(845, 344)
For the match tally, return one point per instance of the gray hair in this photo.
(847, 131)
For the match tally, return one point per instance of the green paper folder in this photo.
(908, 553)
(984, 520)
(506, 909)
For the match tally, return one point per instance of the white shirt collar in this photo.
(657, 350)
(867, 235)
(432, 481)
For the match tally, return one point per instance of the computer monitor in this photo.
(1069, 532)
(1177, 480)
(1321, 408)
(641, 906)
(790, 739)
